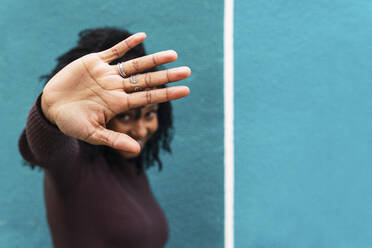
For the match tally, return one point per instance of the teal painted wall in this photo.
(303, 131)
(190, 188)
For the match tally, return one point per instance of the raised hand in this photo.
(89, 92)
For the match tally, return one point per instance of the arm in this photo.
(87, 93)
(42, 143)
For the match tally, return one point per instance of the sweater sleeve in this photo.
(42, 143)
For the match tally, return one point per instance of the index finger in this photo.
(122, 47)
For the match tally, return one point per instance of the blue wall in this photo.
(303, 112)
(190, 188)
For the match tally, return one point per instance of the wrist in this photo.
(45, 110)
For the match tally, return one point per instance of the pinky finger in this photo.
(141, 98)
(119, 141)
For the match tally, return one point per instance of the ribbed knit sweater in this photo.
(87, 204)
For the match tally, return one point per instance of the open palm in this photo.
(89, 92)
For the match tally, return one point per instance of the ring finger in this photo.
(149, 80)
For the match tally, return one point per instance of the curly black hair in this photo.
(99, 39)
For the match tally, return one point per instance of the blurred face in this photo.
(140, 124)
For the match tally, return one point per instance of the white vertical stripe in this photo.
(229, 121)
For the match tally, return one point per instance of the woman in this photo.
(101, 117)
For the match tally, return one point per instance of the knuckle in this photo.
(100, 137)
(112, 138)
(148, 79)
(124, 83)
(135, 64)
(90, 137)
(115, 52)
(127, 45)
(127, 103)
(154, 60)
(106, 137)
(167, 73)
(148, 97)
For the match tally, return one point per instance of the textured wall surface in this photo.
(303, 134)
(190, 188)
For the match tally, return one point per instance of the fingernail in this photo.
(182, 69)
(172, 52)
(141, 33)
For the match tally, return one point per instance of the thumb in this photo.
(119, 141)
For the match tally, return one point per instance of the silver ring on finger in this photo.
(137, 88)
(121, 70)
(133, 79)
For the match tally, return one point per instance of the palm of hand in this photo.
(78, 100)
(87, 93)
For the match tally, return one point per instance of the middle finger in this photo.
(147, 62)
(148, 80)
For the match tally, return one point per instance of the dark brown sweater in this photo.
(89, 205)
